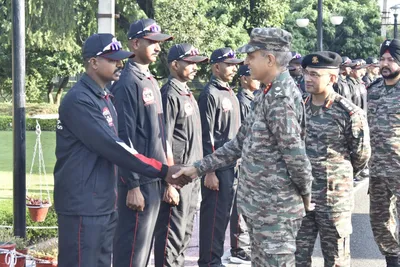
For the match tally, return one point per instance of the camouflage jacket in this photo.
(384, 122)
(275, 169)
(337, 144)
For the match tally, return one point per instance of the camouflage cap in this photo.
(272, 39)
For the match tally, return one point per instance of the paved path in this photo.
(364, 251)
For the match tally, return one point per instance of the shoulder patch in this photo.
(345, 104)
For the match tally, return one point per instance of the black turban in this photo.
(393, 47)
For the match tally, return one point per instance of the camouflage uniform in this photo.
(275, 170)
(337, 144)
(384, 121)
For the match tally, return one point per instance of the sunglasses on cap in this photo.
(113, 46)
(153, 28)
(296, 56)
(229, 54)
(191, 52)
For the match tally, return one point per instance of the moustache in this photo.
(119, 69)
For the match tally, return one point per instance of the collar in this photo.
(281, 77)
(219, 84)
(132, 65)
(248, 93)
(329, 100)
(180, 87)
(94, 87)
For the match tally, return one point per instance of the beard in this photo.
(391, 75)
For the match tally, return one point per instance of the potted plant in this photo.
(21, 247)
(45, 254)
(7, 244)
(38, 208)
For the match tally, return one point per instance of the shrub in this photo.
(45, 124)
(34, 235)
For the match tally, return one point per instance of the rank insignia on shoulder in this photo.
(346, 105)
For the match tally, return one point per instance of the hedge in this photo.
(45, 124)
(34, 235)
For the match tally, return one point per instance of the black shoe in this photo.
(240, 257)
(392, 261)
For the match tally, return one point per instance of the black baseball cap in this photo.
(346, 61)
(186, 52)
(225, 55)
(244, 70)
(322, 60)
(296, 58)
(147, 29)
(372, 61)
(104, 45)
(357, 64)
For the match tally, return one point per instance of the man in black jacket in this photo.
(220, 121)
(141, 122)
(88, 150)
(182, 127)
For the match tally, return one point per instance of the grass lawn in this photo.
(33, 183)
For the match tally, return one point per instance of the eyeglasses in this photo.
(113, 46)
(229, 54)
(314, 75)
(191, 52)
(151, 28)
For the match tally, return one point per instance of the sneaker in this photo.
(240, 257)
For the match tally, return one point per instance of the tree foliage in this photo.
(57, 29)
(357, 37)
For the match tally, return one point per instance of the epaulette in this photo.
(345, 104)
(374, 82)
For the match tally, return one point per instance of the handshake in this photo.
(180, 175)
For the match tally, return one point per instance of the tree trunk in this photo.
(50, 89)
(61, 88)
(148, 7)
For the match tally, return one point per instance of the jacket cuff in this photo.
(164, 171)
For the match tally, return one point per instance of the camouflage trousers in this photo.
(334, 229)
(273, 245)
(384, 212)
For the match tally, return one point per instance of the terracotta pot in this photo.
(38, 213)
(3, 255)
(21, 260)
(46, 263)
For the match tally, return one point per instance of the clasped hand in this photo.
(179, 175)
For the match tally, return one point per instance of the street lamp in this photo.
(335, 20)
(395, 9)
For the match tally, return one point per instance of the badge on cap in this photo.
(226, 105)
(148, 96)
(315, 60)
(108, 117)
(387, 43)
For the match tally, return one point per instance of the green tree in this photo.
(55, 31)
(261, 13)
(357, 37)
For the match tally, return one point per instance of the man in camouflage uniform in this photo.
(337, 144)
(275, 179)
(384, 121)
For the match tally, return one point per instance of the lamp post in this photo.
(335, 20)
(319, 27)
(395, 9)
